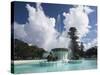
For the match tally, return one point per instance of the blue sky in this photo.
(53, 10)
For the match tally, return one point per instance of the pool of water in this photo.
(54, 66)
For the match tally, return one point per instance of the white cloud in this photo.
(19, 32)
(78, 17)
(40, 29)
(88, 10)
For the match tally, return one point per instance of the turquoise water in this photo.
(54, 66)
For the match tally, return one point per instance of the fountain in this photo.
(57, 57)
(63, 55)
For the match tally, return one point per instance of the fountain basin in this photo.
(34, 67)
(75, 61)
(61, 53)
(52, 63)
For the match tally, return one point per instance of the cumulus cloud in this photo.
(78, 17)
(40, 29)
(19, 32)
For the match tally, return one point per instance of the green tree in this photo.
(74, 46)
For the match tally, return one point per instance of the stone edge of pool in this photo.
(25, 61)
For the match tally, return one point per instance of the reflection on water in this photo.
(55, 66)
